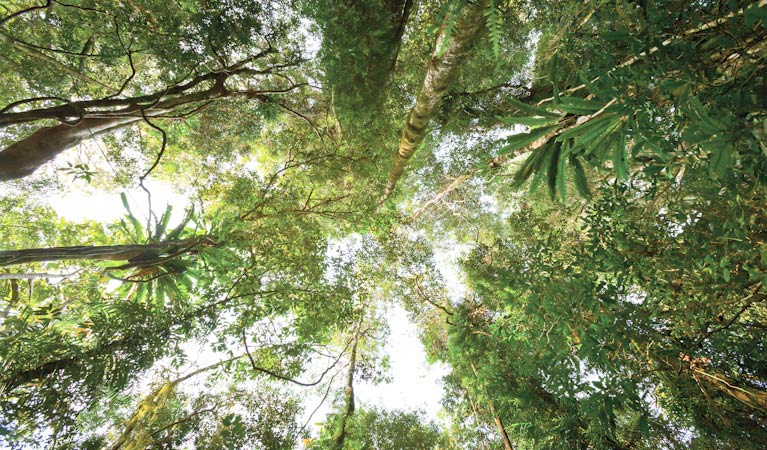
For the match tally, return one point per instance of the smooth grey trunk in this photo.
(23, 157)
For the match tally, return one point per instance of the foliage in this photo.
(629, 317)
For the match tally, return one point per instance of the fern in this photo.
(493, 20)
(449, 13)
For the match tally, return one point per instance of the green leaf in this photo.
(528, 121)
(755, 13)
(532, 164)
(576, 105)
(720, 161)
(644, 426)
(581, 181)
(619, 156)
(162, 224)
(138, 229)
(553, 168)
(561, 178)
(518, 141)
(589, 129)
(532, 110)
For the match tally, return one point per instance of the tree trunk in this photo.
(340, 437)
(23, 157)
(137, 253)
(497, 418)
(93, 117)
(448, 53)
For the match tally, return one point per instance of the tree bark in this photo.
(144, 252)
(449, 51)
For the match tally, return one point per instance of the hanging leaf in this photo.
(589, 129)
(561, 178)
(138, 229)
(619, 156)
(529, 166)
(581, 182)
(162, 224)
(553, 169)
(575, 105)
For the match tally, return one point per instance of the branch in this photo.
(24, 11)
(284, 378)
(161, 152)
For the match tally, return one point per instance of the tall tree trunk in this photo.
(145, 253)
(340, 436)
(449, 51)
(153, 403)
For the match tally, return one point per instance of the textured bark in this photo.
(101, 253)
(439, 75)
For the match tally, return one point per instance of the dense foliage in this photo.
(567, 198)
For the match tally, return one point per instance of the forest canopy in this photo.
(566, 199)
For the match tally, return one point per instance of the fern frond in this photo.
(493, 21)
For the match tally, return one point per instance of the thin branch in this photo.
(156, 162)
(425, 297)
(298, 114)
(37, 276)
(24, 11)
(129, 53)
(30, 100)
(322, 402)
(284, 378)
(129, 280)
(185, 419)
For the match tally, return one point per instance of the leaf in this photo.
(162, 224)
(532, 110)
(518, 141)
(532, 164)
(755, 13)
(528, 121)
(587, 130)
(581, 182)
(138, 229)
(619, 157)
(576, 105)
(644, 426)
(561, 178)
(553, 169)
(720, 161)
